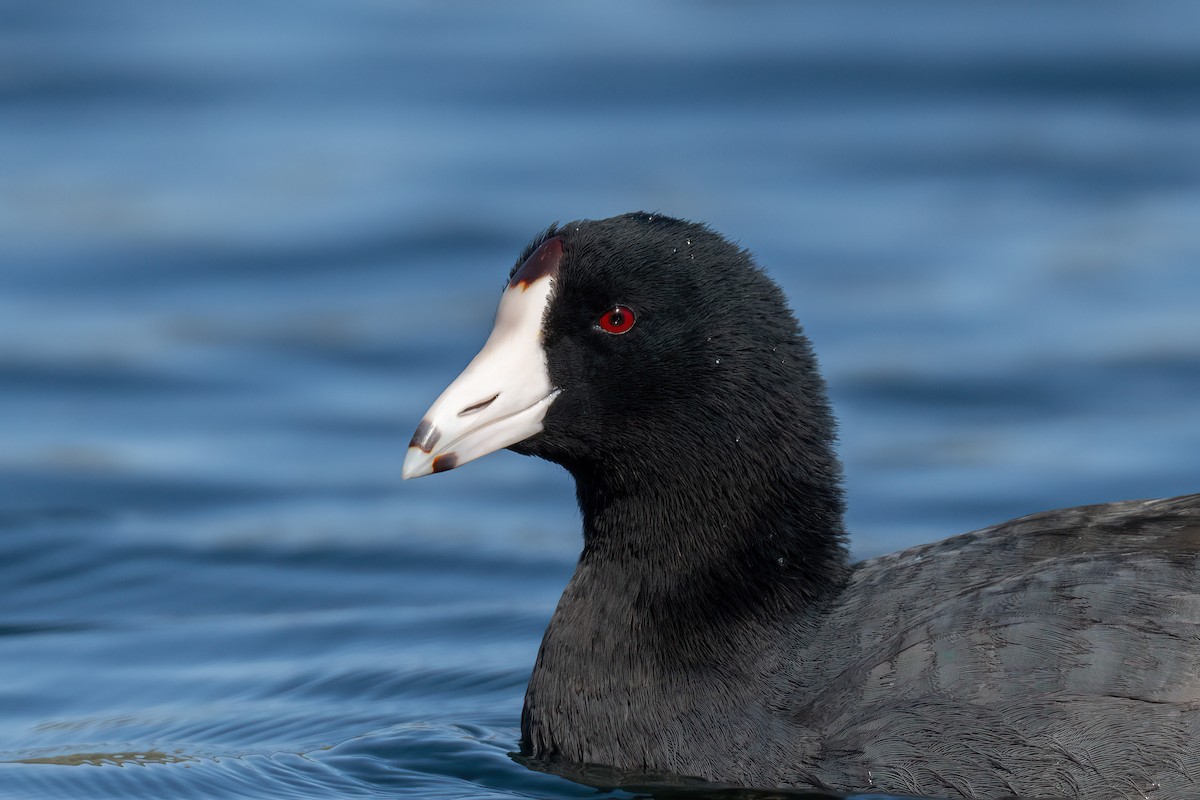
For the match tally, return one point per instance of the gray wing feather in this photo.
(1071, 660)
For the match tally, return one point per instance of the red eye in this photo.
(618, 319)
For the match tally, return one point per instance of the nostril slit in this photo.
(475, 409)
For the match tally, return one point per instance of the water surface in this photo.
(242, 247)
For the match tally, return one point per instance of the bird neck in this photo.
(692, 574)
(707, 542)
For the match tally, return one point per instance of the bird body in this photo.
(1064, 663)
(715, 627)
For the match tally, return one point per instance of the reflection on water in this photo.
(243, 250)
(102, 759)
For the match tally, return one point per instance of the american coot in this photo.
(715, 627)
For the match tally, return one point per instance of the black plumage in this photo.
(715, 627)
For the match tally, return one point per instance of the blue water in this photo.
(243, 246)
